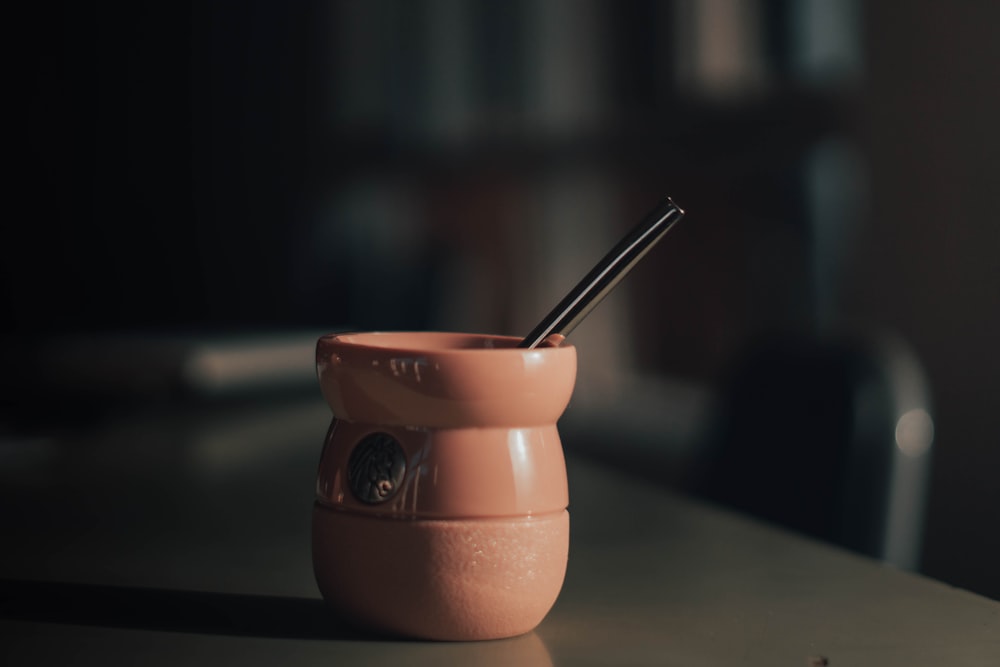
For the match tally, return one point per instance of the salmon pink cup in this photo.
(441, 499)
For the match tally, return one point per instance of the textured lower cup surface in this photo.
(460, 579)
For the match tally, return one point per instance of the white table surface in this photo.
(183, 538)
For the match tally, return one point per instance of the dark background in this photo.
(185, 167)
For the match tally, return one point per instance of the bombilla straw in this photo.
(605, 275)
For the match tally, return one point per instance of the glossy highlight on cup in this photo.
(441, 498)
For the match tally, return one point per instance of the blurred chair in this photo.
(829, 437)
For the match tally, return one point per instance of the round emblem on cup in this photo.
(376, 468)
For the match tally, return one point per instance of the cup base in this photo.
(454, 579)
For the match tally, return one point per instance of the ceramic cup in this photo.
(441, 496)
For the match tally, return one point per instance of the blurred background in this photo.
(200, 189)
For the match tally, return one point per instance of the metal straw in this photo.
(605, 275)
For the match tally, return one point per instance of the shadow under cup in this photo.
(441, 494)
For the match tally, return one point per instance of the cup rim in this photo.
(433, 342)
(442, 379)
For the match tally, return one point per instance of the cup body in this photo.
(441, 495)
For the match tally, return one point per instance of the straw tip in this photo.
(671, 201)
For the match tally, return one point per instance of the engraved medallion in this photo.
(376, 468)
